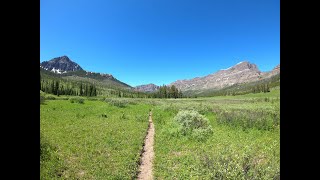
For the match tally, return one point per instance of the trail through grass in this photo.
(145, 170)
(104, 139)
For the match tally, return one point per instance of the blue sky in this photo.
(160, 41)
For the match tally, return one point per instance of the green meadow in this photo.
(98, 138)
(93, 140)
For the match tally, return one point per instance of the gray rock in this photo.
(147, 88)
(240, 73)
(60, 65)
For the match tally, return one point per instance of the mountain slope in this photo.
(60, 65)
(238, 89)
(243, 72)
(273, 72)
(147, 88)
(65, 68)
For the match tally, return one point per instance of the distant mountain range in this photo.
(243, 72)
(147, 88)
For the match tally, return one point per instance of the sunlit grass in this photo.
(89, 145)
(102, 139)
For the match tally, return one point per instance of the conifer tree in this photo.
(57, 88)
(81, 91)
(86, 90)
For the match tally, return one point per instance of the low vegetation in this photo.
(234, 150)
(77, 100)
(93, 140)
(194, 124)
(224, 137)
(260, 118)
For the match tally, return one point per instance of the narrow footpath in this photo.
(145, 170)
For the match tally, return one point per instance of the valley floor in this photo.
(103, 138)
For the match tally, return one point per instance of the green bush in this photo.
(119, 102)
(77, 100)
(260, 119)
(238, 166)
(194, 124)
(42, 99)
(45, 148)
(202, 109)
(49, 97)
(92, 99)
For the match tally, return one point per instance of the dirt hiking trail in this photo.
(145, 170)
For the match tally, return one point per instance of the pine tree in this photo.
(180, 94)
(268, 88)
(57, 88)
(94, 91)
(165, 92)
(86, 90)
(52, 87)
(81, 91)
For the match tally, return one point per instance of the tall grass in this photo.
(92, 141)
(99, 140)
(245, 143)
(77, 100)
(244, 118)
(119, 102)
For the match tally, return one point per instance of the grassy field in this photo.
(243, 145)
(93, 140)
(103, 139)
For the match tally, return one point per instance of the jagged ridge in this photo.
(242, 72)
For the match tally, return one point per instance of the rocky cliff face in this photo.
(147, 88)
(240, 73)
(60, 65)
(274, 71)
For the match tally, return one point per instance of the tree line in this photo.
(61, 88)
(167, 92)
(58, 86)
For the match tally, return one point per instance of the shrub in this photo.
(202, 109)
(238, 166)
(118, 102)
(42, 99)
(49, 97)
(92, 99)
(194, 124)
(45, 148)
(260, 119)
(77, 100)
(64, 98)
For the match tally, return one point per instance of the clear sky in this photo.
(160, 41)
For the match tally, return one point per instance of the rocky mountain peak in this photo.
(242, 72)
(277, 68)
(63, 59)
(245, 65)
(147, 88)
(60, 65)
